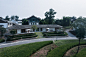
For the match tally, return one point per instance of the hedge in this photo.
(16, 37)
(2, 40)
(61, 50)
(55, 34)
(82, 53)
(25, 50)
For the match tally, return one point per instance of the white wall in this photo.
(18, 31)
(5, 25)
(44, 29)
(53, 29)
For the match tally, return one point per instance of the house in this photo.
(20, 29)
(5, 23)
(33, 20)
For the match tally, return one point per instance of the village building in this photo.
(20, 29)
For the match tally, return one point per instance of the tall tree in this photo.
(24, 22)
(80, 27)
(12, 17)
(50, 16)
(7, 18)
(16, 18)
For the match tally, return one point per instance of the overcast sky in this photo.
(27, 8)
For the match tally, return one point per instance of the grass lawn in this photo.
(63, 47)
(25, 50)
(40, 35)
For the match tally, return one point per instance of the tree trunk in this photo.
(78, 47)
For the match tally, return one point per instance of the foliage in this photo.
(34, 27)
(25, 50)
(13, 31)
(50, 16)
(7, 18)
(55, 34)
(82, 53)
(2, 31)
(61, 50)
(14, 18)
(24, 22)
(2, 40)
(16, 37)
(80, 26)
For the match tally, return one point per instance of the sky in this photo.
(27, 8)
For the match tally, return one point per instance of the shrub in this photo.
(25, 50)
(16, 37)
(2, 40)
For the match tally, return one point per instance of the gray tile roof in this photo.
(29, 26)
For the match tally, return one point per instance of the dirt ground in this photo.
(43, 51)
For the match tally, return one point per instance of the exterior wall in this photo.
(5, 25)
(18, 31)
(43, 29)
(53, 29)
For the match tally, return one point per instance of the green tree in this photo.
(24, 22)
(7, 18)
(12, 17)
(80, 27)
(50, 16)
(16, 18)
(34, 27)
(2, 31)
(13, 31)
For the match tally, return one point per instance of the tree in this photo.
(50, 16)
(13, 31)
(12, 17)
(34, 27)
(24, 22)
(2, 31)
(80, 26)
(7, 18)
(16, 18)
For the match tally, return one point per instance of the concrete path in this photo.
(69, 34)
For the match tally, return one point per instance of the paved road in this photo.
(70, 36)
(32, 41)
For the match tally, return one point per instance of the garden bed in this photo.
(21, 36)
(47, 34)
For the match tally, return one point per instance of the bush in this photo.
(55, 34)
(2, 40)
(25, 50)
(61, 50)
(16, 37)
(82, 53)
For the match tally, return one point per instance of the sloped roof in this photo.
(33, 17)
(3, 21)
(29, 26)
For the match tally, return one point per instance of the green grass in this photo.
(63, 46)
(40, 35)
(82, 53)
(25, 50)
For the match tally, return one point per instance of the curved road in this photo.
(70, 36)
